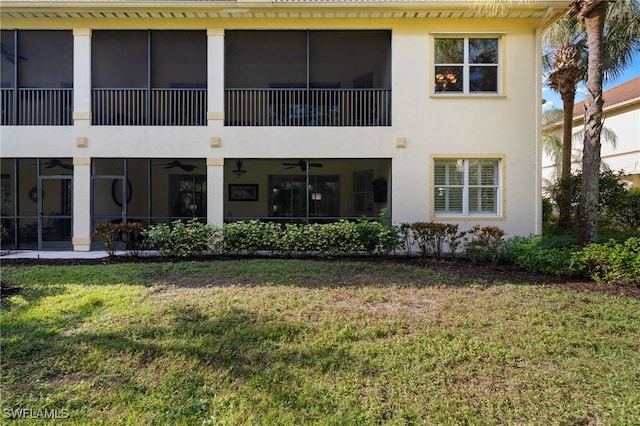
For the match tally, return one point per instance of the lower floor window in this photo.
(466, 186)
(297, 196)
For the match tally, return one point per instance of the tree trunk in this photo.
(593, 20)
(564, 198)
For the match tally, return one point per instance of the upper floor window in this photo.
(466, 186)
(156, 78)
(307, 78)
(36, 77)
(466, 65)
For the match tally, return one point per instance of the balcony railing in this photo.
(308, 107)
(36, 107)
(154, 107)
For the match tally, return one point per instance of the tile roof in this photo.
(616, 95)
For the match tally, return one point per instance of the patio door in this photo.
(55, 205)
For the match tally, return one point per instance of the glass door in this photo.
(55, 224)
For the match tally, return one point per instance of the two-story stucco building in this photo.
(290, 111)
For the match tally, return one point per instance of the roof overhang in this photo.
(544, 10)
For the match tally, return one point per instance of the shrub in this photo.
(610, 188)
(158, 237)
(547, 211)
(182, 239)
(251, 236)
(611, 262)
(109, 234)
(342, 237)
(133, 235)
(293, 239)
(540, 254)
(377, 237)
(624, 209)
(486, 245)
(432, 238)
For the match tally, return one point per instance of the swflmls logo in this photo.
(40, 413)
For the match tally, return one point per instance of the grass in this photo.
(310, 342)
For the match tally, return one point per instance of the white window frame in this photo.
(466, 65)
(466, 186)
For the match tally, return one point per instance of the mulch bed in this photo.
(468, 272)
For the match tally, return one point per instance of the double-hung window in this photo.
(466, 187)
(466, 64)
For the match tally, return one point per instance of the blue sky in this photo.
(553, 99)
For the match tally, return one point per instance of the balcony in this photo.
(149, 107)
(36, 107)
(308, 107)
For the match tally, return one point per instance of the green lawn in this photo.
(309, 342)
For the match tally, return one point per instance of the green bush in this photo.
(541, 254)
(610, 189)
(252, 236)
(624, 209)
(611, 262)
(183, 239)
(342, 237)
(547, 211)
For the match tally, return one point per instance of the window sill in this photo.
(467, 96)
(461, 218)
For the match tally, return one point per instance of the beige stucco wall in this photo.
(503, 125)
(624, 121)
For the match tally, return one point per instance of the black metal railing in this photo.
(36, 107)
(149, 107)
(308, 107)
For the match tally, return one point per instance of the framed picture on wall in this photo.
(243, 192)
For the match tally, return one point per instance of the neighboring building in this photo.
(621, 112)
(283, 110)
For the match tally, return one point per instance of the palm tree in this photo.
(565, 59)
(593, 14)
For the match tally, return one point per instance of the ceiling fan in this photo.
(303, 164)
(56, 163)
(176, 163)
(238, 171)
(11, 57)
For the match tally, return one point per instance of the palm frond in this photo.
(607, 136)
(551, 116)
(497, 7)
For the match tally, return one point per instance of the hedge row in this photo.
(342, 237)
(611, 262)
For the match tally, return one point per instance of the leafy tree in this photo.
(611, 190)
